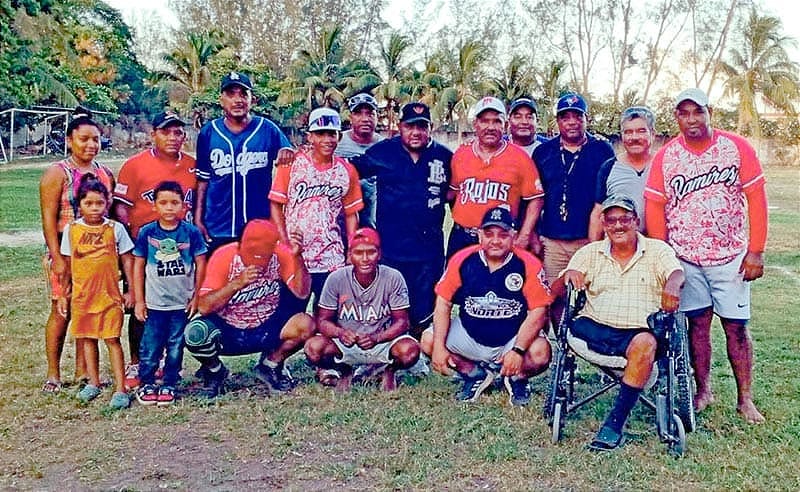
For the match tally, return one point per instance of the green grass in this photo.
(19, 200)
(417, 438)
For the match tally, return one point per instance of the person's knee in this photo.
(426, 342)
(736, 329)
(301, 326)
(405, 352)
(641, 351)
(314, 348)
(198, 336)
(540, 352)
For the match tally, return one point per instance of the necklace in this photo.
(563, 211)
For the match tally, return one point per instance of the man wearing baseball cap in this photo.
(502, 299)
(134, 196)
(235, 154)
(706, 197)
(568, 165)
(248, 303)
(355, 141)
(309, 196)
(522, 120)
(363, 316)
(412, 173)
(489, 172)
(626, 277)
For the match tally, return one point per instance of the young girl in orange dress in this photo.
(93, 246)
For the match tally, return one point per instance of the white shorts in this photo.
(721, 286)
(460, 343)
(355, 355)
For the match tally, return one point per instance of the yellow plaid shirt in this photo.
(624, 297)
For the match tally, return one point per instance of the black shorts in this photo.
(604, 339)
(420, 277)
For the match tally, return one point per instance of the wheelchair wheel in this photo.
(677, 442)
(684, 401)
(557, 425)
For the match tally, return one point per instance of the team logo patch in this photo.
(514, 282)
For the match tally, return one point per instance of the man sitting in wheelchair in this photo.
(626, 277)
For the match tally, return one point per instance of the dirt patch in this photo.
(21, 238)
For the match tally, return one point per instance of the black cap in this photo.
(415, 111)
(236, 78)
(523, 101)
(498, 216)
(620, 201)
(167, 118)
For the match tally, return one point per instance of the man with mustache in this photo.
(627, 173)
(489, 172)
(706, 197)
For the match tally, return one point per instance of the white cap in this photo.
(695, 95)
(324, 119)
(486, 103)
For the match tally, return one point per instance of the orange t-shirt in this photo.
(508, 177)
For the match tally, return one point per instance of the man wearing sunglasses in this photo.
(626, 277)
(626, 174)
(706, 197)
(355, 141)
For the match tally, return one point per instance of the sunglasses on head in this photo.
(326, 120)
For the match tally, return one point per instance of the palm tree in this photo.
(427, 84)
(463, 91)
(190, 62)
(761, 67)
(320, 75)
(514, 81)
(549, 82)
(393, 88)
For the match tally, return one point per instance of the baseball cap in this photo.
(523, 101)
(415, 111)
(620, 201)
(258, 242)
(167, 118)
(695, 95)
(362, 99)
(364, 235)
(498, 216)
(324, 119)
(487, 103)
(571, 101)
(236, 78)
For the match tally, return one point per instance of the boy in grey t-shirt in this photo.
(363, 316)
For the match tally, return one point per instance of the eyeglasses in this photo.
(623, 220)
(325, 121)
(360, 99)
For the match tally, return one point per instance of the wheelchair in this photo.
(668, 393)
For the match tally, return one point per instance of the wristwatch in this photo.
(518, 349)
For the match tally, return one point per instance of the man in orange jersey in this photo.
(134, 196)
(489, 172)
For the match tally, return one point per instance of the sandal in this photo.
(88, 393)
(51, 387)
(120, 401)
(329, 377)
(607, 440)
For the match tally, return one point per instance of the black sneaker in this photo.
(519, 393)
(278, 379)
(472, 387)
(214, 382)
(147, 394)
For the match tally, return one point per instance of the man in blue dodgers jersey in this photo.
(502, 298)
(412, 176)
(234, 164)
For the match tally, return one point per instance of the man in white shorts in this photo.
(363, 317)
(503, 297)
(706, 197)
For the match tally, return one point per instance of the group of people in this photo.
(221, 259)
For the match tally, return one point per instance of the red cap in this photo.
(365, 235)
(258, 242)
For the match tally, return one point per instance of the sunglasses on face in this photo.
(623, 220)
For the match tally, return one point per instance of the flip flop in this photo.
(51, 387)
(329, 377)
(607, 440)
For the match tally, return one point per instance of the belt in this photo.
(472, 231)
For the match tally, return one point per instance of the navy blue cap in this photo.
(523, 101)
(498, 216)
(571, 101)
(415, 111)
(236, 78)
(167, 118)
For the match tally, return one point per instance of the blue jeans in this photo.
(163, 331)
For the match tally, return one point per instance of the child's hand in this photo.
(140, 311)
(191, 308)
(63, 306)
(127, 300)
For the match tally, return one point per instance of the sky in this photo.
(787, 10)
